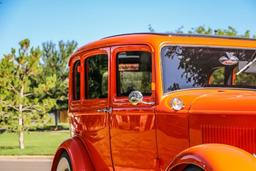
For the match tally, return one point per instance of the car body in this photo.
(153, 101)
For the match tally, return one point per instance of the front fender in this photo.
(78, 155)
(214, 157)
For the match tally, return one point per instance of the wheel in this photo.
(64, 163)
(192, 168)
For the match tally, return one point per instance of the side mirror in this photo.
(136, 97)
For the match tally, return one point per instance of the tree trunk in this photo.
(21, 128)
(56, 119)
(21, 133)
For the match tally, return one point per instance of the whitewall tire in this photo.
(64, 163)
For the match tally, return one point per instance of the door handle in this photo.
(105, 110)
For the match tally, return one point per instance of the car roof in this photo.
(183, 35)
(159, 39)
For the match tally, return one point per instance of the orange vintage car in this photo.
(162, 102)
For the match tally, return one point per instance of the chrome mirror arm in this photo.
(136, 97)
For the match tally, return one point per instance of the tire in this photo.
(193, 168)
(64, 163)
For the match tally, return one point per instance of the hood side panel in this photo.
(236, 130)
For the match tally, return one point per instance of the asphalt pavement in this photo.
(25, 163)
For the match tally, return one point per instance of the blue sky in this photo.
(88, 20)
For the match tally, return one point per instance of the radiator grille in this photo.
(244, 138)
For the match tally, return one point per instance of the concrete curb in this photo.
(26, 157)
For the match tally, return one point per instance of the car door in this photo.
(93, 117)
(133, 136)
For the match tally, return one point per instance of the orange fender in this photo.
(214, 157)
(78, 155)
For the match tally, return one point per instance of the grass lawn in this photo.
(36, 143)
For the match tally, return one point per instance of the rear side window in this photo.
(97, 77)
(134, 72)
(76, 81)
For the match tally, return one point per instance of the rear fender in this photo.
(78, 154)
(214, 157)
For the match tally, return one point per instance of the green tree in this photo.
(201, 30)
(55, 64)
(21, 97)
(229, 31)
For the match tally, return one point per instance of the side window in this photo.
(76, 81)
(134, 72)
(97, 77)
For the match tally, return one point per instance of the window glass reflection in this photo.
(191, 67)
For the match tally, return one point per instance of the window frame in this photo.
(76, 67)
(72, 79)
(86, 76)
(123, 100)
(85, 56)
(118, 80)
(74, 105)
(189, 45)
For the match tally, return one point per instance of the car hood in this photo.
(225, 101)
(213, 100)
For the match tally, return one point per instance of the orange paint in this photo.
(117, 135)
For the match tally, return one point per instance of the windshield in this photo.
(193, 67)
